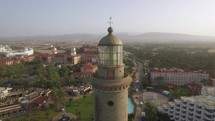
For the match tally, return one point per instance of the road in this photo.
(138, 97)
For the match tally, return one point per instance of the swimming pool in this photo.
(130, 106)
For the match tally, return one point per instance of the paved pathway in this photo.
(137, 107)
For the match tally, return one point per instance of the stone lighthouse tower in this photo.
(110, 83)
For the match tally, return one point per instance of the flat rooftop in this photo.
(207, 100)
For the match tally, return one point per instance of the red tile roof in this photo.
(158, 70)
(39, 100)
(4, 60)
(88, 65)
(44, 55)
(170, 85)
(194, 87)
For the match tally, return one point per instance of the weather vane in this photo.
(110, 22)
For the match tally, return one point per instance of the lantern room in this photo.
(111, 56)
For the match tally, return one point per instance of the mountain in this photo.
(166, 37)
(144, 37)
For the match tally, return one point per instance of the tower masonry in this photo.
(110, 83)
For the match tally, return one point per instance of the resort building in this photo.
(5, 49)
(178, 77)
(60, 59)
(196, 108)
(89, 54)
(7, 61)
(25, 52)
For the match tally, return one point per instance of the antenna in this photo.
(110, 22)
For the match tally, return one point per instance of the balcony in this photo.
(207, 119)
(191, 105)
(191, 109)
(178, 105)
(183, 116)
(177, 110)
(176, 118)
(208, 116)
(177, 114)
(208, 110)
(184, 102)
(184, 107)
(190, 119)
(171, 107)
(190, 114)
(198, 117)
(199, 107)
(198, 112)
(171, 111)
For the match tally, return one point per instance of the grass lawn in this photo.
(84, 106)
(39, 115)
(181, 91)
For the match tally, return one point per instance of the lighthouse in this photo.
(110, 83)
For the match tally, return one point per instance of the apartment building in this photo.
(196, 108)
(178, 78)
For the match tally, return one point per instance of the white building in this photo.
(5, 49)
(198, 108)
(178, 78)
(73, 51)
(4, 92)
(25, 52)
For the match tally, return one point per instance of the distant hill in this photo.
(166, 37)
(145, 37)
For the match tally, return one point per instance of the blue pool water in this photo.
(130, 106)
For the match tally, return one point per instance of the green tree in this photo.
(84, 79)
(163, 117)
(160, 83)
(150, 111)
(58, 96)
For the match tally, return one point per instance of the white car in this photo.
(141, 104)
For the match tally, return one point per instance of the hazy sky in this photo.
(54, 17)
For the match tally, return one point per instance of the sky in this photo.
(57, 17)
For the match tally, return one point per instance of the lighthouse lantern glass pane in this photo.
(110, 55)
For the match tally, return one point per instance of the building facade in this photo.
(196, 108)
(59, 59)
(179, 78)
(110, 83)
(25, 52)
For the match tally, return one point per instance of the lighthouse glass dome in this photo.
(110, 55)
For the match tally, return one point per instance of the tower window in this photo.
(110, 103)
